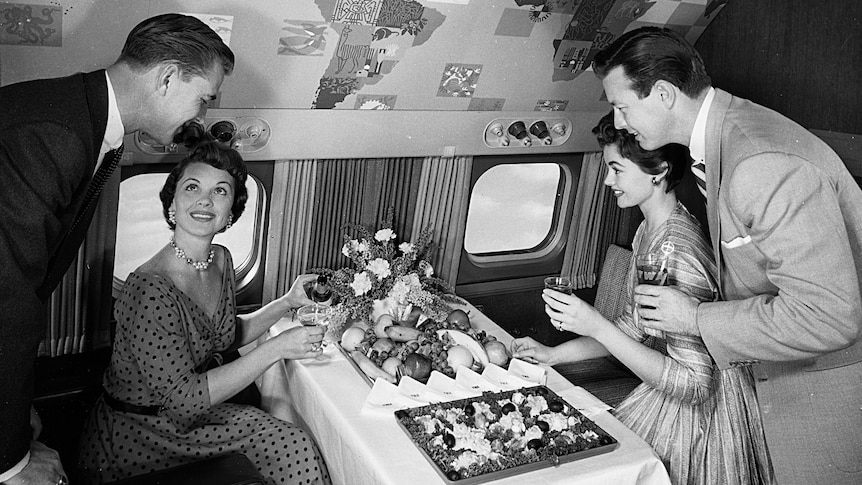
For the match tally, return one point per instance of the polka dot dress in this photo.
(162, 337)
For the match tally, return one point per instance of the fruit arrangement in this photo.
(390, 349)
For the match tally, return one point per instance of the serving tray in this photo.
(553, 451)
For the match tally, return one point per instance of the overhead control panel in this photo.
(527, 132)
(245, 134)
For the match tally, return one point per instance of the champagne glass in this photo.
(315, 315)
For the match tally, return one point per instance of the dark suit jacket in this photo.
(51, 131)
(786, 227)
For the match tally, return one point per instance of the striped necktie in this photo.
(699, 170)
(68, 247)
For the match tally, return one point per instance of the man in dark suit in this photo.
(57, 141)
(785, 218)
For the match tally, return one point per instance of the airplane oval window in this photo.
(142, 230)
(512, 208)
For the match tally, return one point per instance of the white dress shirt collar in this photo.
(114, 131)
(697, 144)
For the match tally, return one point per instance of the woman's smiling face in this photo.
(203, 199)
(630, 185)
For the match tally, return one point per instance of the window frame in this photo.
(544, 258)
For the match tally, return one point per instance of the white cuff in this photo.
(8, 474)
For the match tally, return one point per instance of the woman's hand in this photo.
(296, 296)
(570, 313)
(531, 351)
(301, 342)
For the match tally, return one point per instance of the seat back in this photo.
(611, 291)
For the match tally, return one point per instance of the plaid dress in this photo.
(703, 422)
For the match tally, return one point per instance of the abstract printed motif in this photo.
(24, 24)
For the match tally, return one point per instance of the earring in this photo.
(229, 222)
(655, 181)
(172, 217)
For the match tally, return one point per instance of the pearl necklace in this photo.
(198, 265)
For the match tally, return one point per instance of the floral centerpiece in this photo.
(384, 273)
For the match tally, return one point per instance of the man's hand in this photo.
(44, 468)
(667, 308)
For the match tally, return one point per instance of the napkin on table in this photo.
(447, 386)
(384, 398)
(471, 381)
(536, 374)
(504, 379)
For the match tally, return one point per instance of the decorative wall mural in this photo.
(26, 24)
(359, 54)
(303, 38)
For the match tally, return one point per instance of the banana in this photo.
(400, 333)
(475, 348)
(370, 368)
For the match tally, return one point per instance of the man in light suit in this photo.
(55, 137)
(785, 220)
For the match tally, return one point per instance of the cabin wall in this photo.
(798, 57)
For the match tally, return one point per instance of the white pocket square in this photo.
(736, 242)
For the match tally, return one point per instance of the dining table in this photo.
(327, 397)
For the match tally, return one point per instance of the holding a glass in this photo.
(315, 315)
(561, 284)
(651, 269)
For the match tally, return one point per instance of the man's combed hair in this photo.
(181, 39)
(650, 54)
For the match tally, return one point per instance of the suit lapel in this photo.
(714, 123)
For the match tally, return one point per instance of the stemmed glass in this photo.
(315, 315)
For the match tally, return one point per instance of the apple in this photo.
(380, 325)
(417, 366)
(458, 355)
(352, 337)
(459, 319)
(497, 352)
(390, 365)
(383, 345)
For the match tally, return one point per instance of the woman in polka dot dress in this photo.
(177, 313)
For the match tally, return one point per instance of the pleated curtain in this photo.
(442, 201)
(289, 225)
(597, 222)
(308, 220)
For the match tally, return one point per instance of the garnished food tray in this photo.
(503, 434)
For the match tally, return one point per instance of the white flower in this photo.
(361, 246)
(384, 235)
(361, 283)
(426, 268)
(380, 268)
(406, 247)
(345, 250)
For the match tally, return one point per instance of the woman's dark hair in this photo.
(180, 39)
(217, 156)
(650, 54)
(676, 156)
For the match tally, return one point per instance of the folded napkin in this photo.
(533, 373)
(447, 386)
(504, 379)
(420, 392)
(583, 401)
(384, 398)
(469, 380)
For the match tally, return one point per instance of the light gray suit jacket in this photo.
(785, 220)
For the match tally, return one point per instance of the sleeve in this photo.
(797, 292)
(688, 371)
(155, 323)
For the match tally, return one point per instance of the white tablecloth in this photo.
(326, 397)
